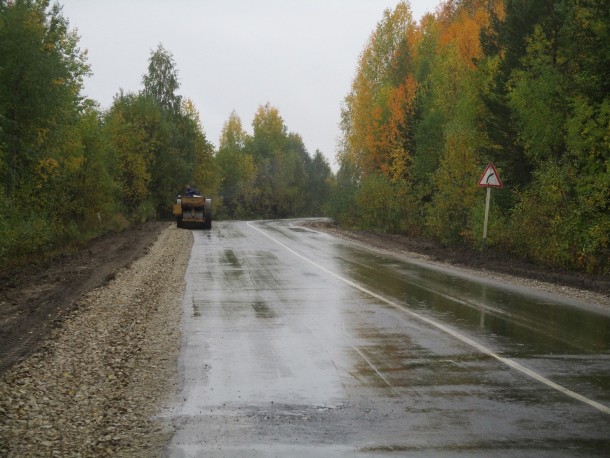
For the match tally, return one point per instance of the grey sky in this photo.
(300, 56)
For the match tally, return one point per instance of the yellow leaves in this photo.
(268, 122)
(44, 170)
(48, 170)
(400, 165)
(191, 112)
(41, 135)
(373, 105)
(72, 164)
(380, 118)
(233, 136)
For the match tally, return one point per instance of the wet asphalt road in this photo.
(299, 344)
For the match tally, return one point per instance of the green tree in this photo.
(562, 119)
(132, 127)
(457, 102)
(377, 204)
(237, 169)
(320, 185)
(41, 77)
(41, 154)
(536, 100)
(343, 193)
(204, 173)
(504, 44)
(180, 152)
(268, 174)
(268, 147)
(295, 200)
(100, 204)
(161, 82)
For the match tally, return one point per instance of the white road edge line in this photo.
(458, 335)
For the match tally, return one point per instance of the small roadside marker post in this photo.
(489, 179)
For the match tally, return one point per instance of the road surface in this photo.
(300, 344)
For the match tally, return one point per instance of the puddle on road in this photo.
(262, 310)
(230, 258)
(196, 308)
(524, 324)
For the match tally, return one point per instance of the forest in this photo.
(523, 84)
(71, 171)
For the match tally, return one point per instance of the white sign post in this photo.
(489, 179)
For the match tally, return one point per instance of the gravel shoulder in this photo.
(95, 384)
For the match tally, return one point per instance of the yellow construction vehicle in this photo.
(193, 211)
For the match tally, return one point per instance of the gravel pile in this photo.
(96, 384)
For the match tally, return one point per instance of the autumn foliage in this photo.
(70, 171)
(521, 83)
(524, 84)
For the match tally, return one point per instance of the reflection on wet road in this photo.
(300, 344)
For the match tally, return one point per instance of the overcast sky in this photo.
(298, 55)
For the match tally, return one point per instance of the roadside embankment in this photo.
(94, 386)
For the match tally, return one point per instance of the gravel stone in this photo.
(94, 387)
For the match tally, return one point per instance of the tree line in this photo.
(70, 171)
(269, 174)
(522, 83)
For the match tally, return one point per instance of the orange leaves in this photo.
(379, 116)
(372, 103)
(393, 158)
(400, 104)
(375, 112)
(462, 30)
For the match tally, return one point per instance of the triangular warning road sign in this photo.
(490, 178)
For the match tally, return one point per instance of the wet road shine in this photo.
(296, 343)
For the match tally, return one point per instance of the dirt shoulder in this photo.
(35, 297)
(497, 266)
(95, 383)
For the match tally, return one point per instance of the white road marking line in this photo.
(458, 335)
(372, 366)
